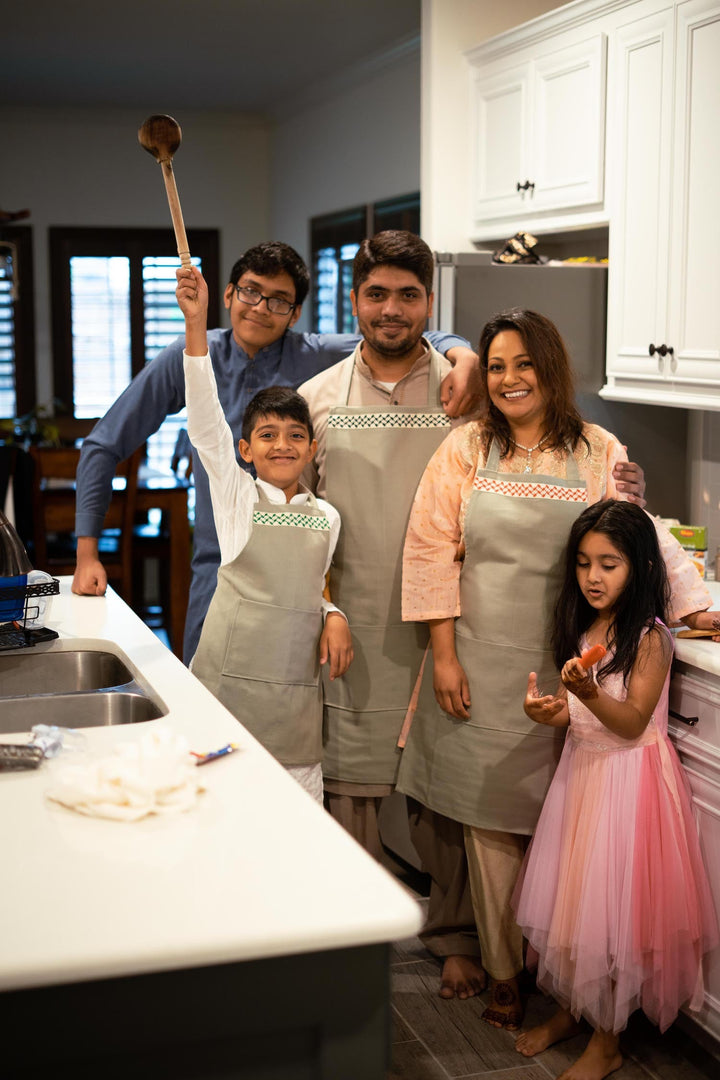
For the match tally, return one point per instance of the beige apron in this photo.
(258, 651)
(376, 456)
(493, 770)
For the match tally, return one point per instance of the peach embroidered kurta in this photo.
(431, 568)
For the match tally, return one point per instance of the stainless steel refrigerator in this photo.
(470, 288)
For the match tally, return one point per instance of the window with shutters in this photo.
(17, 338)
(114, 309)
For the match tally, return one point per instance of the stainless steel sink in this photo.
(31, 673)
(77, 688)
(78, 710)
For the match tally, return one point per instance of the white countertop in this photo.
(703, 653)
(256, 869)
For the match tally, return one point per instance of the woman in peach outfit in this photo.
(482, 566)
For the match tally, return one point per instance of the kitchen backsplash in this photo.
(704, 475)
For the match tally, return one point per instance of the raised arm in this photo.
(232, 489)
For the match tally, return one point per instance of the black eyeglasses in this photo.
(276, 304)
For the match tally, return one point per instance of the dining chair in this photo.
(72, 429)
(53, 507)
(151, 541)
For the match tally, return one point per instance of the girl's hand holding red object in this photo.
(578, 680)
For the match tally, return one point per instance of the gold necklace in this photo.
(529, 450)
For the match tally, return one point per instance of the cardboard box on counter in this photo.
(694, 540)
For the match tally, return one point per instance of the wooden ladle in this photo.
(161, 136)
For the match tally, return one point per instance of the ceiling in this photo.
(247, 55)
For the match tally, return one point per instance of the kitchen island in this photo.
(246, 937)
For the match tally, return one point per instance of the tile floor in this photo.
(435, 1039)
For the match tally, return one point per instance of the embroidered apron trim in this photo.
(290, 518)
(521, 489)
(388, 420)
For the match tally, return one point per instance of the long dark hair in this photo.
(644, 598)
(554, 374)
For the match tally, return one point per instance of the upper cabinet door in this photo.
(664, 282)
(568, 148)
(502, 141)
(694, 298)
(639, 156)
(539, 133)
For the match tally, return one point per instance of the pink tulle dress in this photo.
(613, 896)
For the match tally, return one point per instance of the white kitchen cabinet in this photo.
(538, 133)
(695, 695)
(664, 282)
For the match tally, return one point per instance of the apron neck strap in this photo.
(572, 471)
(434, 379)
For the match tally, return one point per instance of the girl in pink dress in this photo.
(613, 896)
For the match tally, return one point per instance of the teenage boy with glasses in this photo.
(264, 298)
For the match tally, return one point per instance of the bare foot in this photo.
(561, 1025)
(463, 977)
(602, 1056)
(505, 1009)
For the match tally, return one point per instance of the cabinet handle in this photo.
(661, 350)
(691, 721)
(526, 186)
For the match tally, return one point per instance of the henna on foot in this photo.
(505, 1009)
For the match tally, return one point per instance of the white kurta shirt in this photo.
(232, 489)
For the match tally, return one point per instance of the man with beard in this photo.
(378, 418)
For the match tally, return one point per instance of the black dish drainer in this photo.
(14, 635)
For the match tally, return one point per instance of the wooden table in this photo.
(169, 493)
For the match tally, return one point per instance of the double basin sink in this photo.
(76, 689)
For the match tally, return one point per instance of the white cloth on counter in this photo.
(154, 775)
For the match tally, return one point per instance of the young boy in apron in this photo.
(263, 640)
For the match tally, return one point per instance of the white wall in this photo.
(353, 143)
(449, 28)
(86, 167)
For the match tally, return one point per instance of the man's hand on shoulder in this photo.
(630, 480)
(460, 389)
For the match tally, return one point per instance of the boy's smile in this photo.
(279, 448)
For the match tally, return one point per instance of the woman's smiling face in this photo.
(512, 381)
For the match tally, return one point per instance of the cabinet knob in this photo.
(661, 350)
(526, 186)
